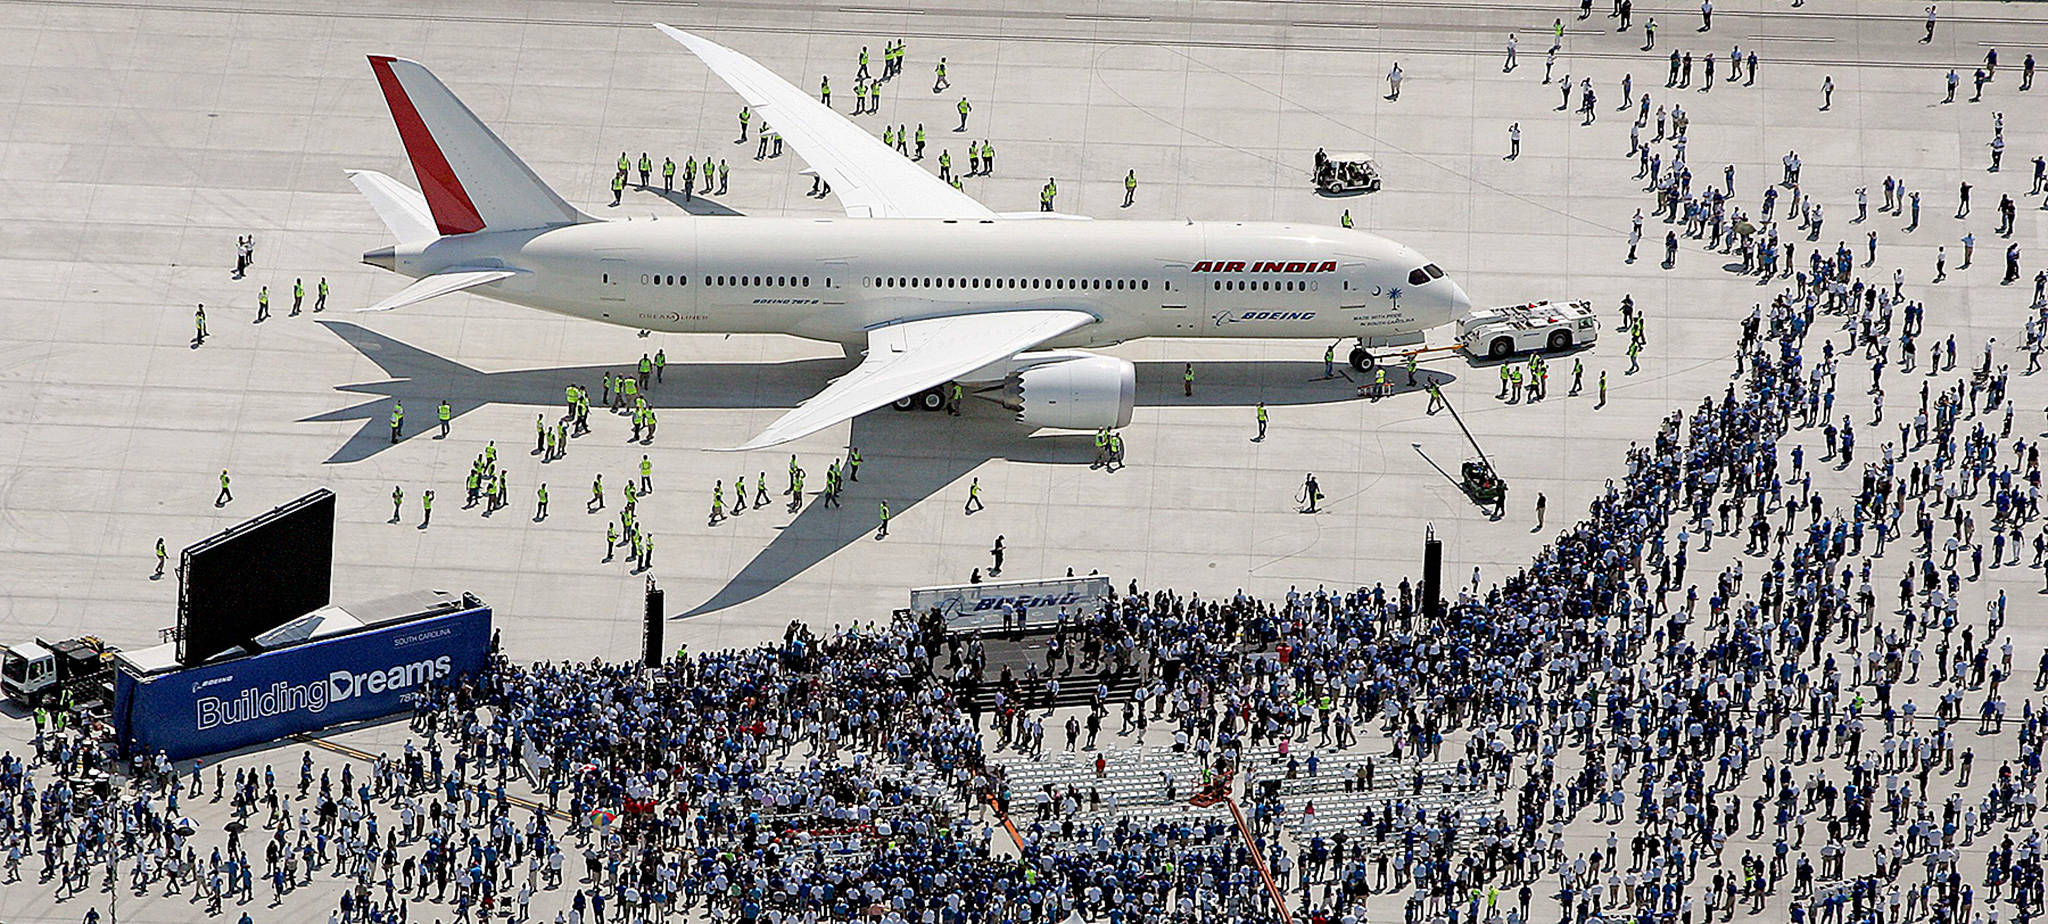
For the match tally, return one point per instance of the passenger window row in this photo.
(1261, 285)
(660, 279)
(981, 282)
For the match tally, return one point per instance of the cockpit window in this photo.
(1416, 277)
(1433, 270)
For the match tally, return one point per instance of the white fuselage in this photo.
(833, 279)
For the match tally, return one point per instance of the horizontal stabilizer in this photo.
(441, 283)
(403, 211)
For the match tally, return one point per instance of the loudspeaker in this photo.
(1432, 576)
(650, 639)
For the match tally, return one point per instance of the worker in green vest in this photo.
(426, 508)
(1345, 219)
(618, 188)
(397, 419)
(1101, 448)
(646, 167)
(541, 511)
(746, 115)
(988, 157)
(1379, 382)
(853, 463)
(1262, 423)
(263, 303)
(1330, 361)
(668, 174)
(1130, 188)
(1410, 366)
(964, 108)
(646, 474)
(882, 532)
(320, 296)
(298, 295)
(397, 499)
(442, 413)
(945, 165)
(920, 141)
(162, 556)
(624, 165)
(660, 361)
(825, 90)
(1187, 380)
(717, 503)
(646, 369)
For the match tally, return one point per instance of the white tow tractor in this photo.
(1497, 333)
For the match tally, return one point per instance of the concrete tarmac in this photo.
(141, 139)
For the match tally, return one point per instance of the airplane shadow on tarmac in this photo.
(906, 456)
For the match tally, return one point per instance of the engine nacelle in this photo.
(1071, 390)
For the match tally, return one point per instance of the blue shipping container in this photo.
(348, 678)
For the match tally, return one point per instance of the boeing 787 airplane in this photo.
(930, 286)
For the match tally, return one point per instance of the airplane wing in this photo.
(907, 357)
(871, 180)
(441, 283)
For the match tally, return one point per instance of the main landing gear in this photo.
(931, 399)
(1361, 359)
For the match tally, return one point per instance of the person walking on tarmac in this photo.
(1261, 413)
(1187, 379)
(1311, 492)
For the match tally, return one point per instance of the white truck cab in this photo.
(1497, 333)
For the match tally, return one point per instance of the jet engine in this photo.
(1071, 390)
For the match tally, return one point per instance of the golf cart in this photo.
(1342, 176)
